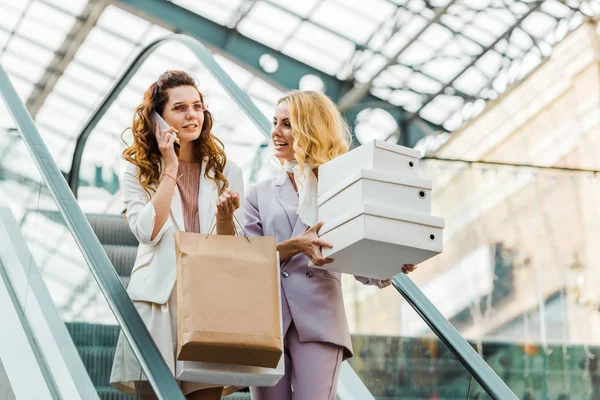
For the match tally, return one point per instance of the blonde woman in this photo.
(167, 190)
(308, 130)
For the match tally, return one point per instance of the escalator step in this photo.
(85, 334)
(112, 229)
(238, 396)
(114, 394)
(110, 393)
(98, 363)
(121, 257)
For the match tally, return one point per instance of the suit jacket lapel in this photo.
(288, 198)
(299, 228)
(206, 199)
(177, 209)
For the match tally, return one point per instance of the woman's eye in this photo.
(287, 125)
(274, 123)
(180, 108)
(198, 107)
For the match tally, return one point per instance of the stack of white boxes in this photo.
(376, 211)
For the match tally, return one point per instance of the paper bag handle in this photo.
(213, 226)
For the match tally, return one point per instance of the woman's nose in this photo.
(190, 113)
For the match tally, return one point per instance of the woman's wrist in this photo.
(170, 176)
(171, 169)
(295, 245)
(225, 219)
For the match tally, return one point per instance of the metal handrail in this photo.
(204, 55)
(444, 330)
(129, 319)
(482, 372)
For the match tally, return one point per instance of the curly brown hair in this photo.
(144, 152)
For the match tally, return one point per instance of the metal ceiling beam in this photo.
(359, 92)
(247, 52)
(64, 55)
(430, 98)
(229, 43)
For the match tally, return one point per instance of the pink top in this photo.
(189, 187)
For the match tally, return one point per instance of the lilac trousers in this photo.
(312, 370)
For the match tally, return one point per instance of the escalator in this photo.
(85, 261)
(392, 367)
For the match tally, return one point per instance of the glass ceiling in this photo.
(440, 60)
(442, 69)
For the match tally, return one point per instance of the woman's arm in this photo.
(227, 203)
(231, 202)
(253, 222)
(164, 193)
(162, 199)
(141, 212)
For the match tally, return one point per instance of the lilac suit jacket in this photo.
(311, 297)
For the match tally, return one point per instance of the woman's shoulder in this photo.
(231, 167)
(130, 169)
(264, 185)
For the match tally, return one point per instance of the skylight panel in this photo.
(268, 24)
(444, 69)
(471, 82)
(51, 16)
(9, 17)
(26, 69)
(33, 30)
(108, 63)
(107, 43)
(418, 53)
(422, 84)
(339, 18)
(538, 24)
(122, 22)
(301, 8)
(219, 11)
(75, 7)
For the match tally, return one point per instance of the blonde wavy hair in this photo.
(144, 152)
(320, 132)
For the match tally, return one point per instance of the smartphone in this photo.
(162, 125)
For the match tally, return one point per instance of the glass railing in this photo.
(398, 356)
(416, 354)
(517, 279)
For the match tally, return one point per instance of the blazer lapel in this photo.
(299, 228)
(206, 199)
(288, 198)
(177, 210)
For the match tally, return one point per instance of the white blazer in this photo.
(154, 271)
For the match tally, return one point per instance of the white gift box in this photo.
(386, 189)
(375, 241)
(231, 374)
(376, 155)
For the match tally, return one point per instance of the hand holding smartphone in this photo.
(163, 126)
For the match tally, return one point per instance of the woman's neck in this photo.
(186, 153)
